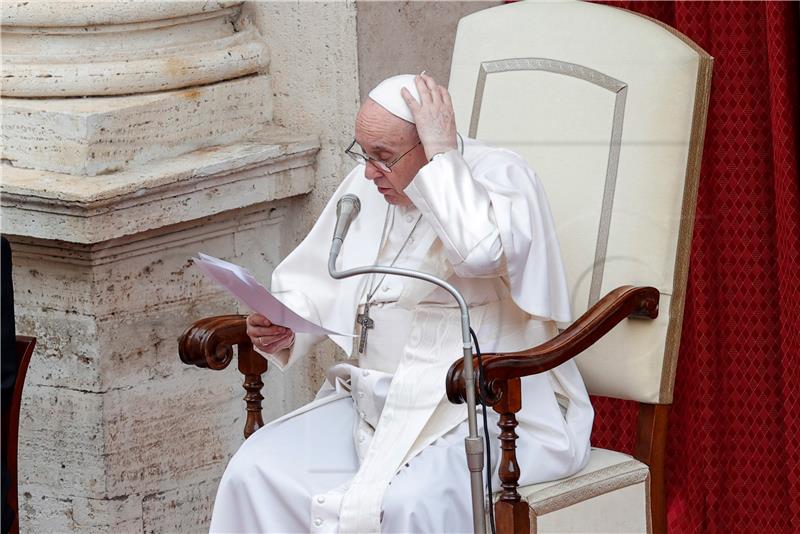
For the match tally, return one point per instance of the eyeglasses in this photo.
(360, 158)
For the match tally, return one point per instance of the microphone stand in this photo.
(473, 443)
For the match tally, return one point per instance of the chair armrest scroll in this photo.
(208, 343)
(623, 302)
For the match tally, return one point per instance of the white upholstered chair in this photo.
(609, 108)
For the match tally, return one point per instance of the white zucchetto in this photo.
(387, 95)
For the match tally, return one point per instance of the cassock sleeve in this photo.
(460, 212)
(284, 358)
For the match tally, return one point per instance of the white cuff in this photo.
(285, 358)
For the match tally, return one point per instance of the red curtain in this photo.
(733, 453)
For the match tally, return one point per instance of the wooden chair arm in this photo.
(625, 301)
(208, 343)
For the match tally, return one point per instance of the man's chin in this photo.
(392, 197)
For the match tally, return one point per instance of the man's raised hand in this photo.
(268, 337)
(433, 115)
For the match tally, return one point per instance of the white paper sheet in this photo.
(242, 285)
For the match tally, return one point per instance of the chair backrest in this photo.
(609, 108)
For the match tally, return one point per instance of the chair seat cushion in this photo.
(606, 471)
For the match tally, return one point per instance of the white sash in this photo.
(416, 392)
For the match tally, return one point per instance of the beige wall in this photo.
(408, 37)
(314, 68)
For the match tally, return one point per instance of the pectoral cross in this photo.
(366, 323)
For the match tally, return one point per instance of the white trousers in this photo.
(269, 483)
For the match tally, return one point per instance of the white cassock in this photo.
(380, 449)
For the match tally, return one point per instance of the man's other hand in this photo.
(268, 337)
(433, 115)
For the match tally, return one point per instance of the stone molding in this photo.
(271, 165)
(92, 13)
(126, 55)
(99, 283)
(154, 80)
(94, 136)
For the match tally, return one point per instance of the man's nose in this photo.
(372, 171)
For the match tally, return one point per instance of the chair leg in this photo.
(511, 512)
(651, 444)
(252, 365)
(512, 518)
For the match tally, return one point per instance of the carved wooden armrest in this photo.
(503, 392)
(209, 342)
(623, 302)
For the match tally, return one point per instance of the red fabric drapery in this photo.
(733, 457)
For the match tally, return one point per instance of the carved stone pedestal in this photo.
(116, 434)
(169, 152)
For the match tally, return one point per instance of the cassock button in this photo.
(385, 288)
(321, 499)
(361, 438)
(365, 373)
(360, 394)
(409, 218)
(362, 414)
(318, 522)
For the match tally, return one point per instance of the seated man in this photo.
(381, 448)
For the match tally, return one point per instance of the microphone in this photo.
(346, 210)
